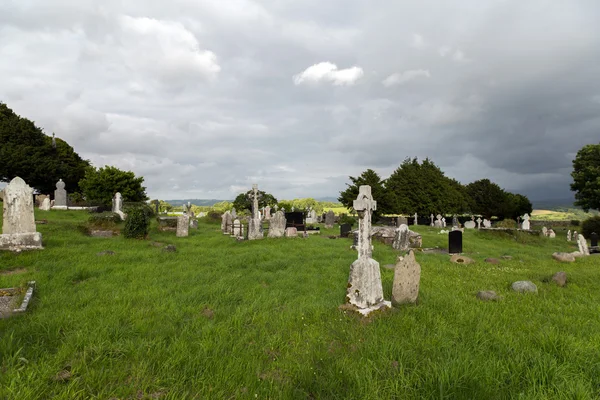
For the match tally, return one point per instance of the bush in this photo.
(137, 223)
(213, 216)
(506, 223)
(346, 219)
(590, 225)
(575, 222)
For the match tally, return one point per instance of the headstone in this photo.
(329, 219)
(183, 225)
(60, 195)
(193, 220)
(551, 233)
(583, 247)
(45, 204)
(291, 232)
(18, 224)
(470, 224)
(407, 276)
(487, 223)
(575, 236)
(431, 216)
(238, 228)
(401, 240)
(277, 225)
(569, 235)
(455, 242)
(402, 221)
(455, 221)
(364, 289)
(311, 217)
(267, 213)
(594, 239)
(444, 222)
(544, 231)
(438, 221)
(479, 223)
(117, 205)
(526, 224)
(345, 230)
(416, 220)
(39, 199)
(226, 223)
(255, 230)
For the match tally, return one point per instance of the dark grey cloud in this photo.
(204, 98)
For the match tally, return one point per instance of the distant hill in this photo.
(553, 204)
(196, 202)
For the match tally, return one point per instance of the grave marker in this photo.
(455, 242)
(18, 224)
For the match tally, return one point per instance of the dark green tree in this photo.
(243, 202)
(101, 184)
(586, 177)
(516, 205)
(488, 199)
(25, 151)
(371, 178)
(423, 188)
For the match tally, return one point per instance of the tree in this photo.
(101, 184)
(25, 151)
(516, 206)
(586, 177)
(371, 178)
(488, 199)
(243, 202)
(423, 188)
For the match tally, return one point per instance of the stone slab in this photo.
(21, 241)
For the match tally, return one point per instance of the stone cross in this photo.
(364, 205)
(415, 222)
(254, 196)
(431, 216)
(479, 221)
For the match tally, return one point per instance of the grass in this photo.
(224, 319)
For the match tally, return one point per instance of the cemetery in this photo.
(431, 307)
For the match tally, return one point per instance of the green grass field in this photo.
(221, 319)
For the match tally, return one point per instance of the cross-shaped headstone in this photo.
(364, 205)
(479, 221)
(254, 197)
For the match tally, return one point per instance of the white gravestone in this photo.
(45, 206)
(432, 224)
(364, 289)
(438, 221)
(18, 225)
(416, 221)
(526, 224)
(183, 225)
(277, 225)
(470, 224)
(60, 195)
(583, 247)
(117, 205)
(478, 223)
(569, 236)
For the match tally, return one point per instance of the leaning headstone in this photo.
(45, 206)
(569, 235)
(60, 195)
(183, 225)
(455, 242)
(277, 225)
(255, 230)
(407, 276)
(583, 247)
(526, 224)
(470, 224)
(117, 205)
(18, 224)
(401, 240)
(594, 239)
(329, 219)
(364, 290)
(345, 230)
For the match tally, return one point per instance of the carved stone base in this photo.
(21, 241)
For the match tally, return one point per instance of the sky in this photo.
(203, 98)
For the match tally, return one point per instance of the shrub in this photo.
(506, 223)
(137, 224)
(346, 219)
(213, 216)
(575, 222)
(590, 225)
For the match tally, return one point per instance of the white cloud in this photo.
(400, 78)
(417, 41)
(329, 72)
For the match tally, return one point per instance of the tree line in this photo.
(423, 188)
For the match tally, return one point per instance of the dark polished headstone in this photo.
(345, 230)
(455, 242)
(594, 239)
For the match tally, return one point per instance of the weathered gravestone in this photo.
(329, 219)
(407, 276)
(268, 213)
(60, 195)
(291, 232)
(526, 224)
(226, 223)
(401, 240)
(470, 224)
(438, 221)
(364, 290)
(18, 224)
(193, 220)
(416, 220)
(569, 235)
(431, 217)
(455, 221)
(551, 233)
(544, 231)
(443, 222)
(582, 244)
(117, 205)
(277, 225)
(255, 224)
(238, 228)
(45, 204)
(478, 223)
(487, 223)
(183, 225)
(455, 242)
(402, 221)
(345, 230)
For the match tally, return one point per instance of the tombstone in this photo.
(455, 242)
(233, 213)
(255, 230)
(345, 230)
(39, 199)
(401, 240)
(455, 221)
(329, 218)
(551, 233)
(117, 205)
(267, 213)
(526, 224)
(45, 206)
(193, 220)
(364, 289)
(183, 225)
(544, 231)
(277, 225)
(60, 195)
(431, 216)
(226, 223)
(18, 225)
(238, 228)
(438, 221)
(575, 236)
(583, 247)
(594, 239)
(478, 223)
(402, 221)
(569, 235)
(407, 276)
(470, 224)
(312, 217)
(416, 221)
(291, 232)
(444, 222)
(487, 223)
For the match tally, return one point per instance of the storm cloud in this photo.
(205, 98)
